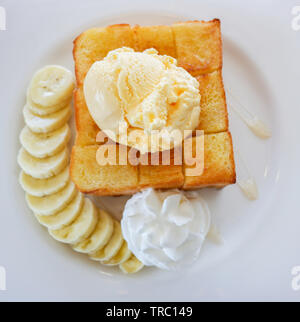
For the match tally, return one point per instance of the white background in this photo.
(262, 239)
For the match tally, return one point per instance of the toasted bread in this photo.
(159, 37)
(160, 175)
(95, 43)
(214, 116)
(219, 167)
(90, 177)
(198, 48)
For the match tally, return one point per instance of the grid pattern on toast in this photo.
(90, 177)
(197, 47)
(94, 44)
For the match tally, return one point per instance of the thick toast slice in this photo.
(86, 128)
(219, 167)
(95, 43)
(198, 48)
(197, 45)
(214, 116)
(160, 175)
(159, 37)
(90, 177)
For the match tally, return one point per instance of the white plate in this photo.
(262, 240)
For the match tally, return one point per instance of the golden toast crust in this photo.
(95, 43)
(218, 163)
(159, 37)
(90, 177)
(214, 115)
(198, 48)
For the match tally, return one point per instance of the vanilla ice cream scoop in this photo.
(143, 92)
(165, 229)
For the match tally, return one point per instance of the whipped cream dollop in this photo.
(140, 93)
(165, 229)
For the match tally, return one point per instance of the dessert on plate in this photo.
(197, 46)
(153, 96)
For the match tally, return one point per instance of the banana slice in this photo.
(52, 204)
(64, 217)
(48, 123)
(100, 235)
(122, 256)
(43, 110)
(51, 85)
(132, 265)
(43, 168)
(81, 228)
(112, 247)
(44, 187)
(41, 145)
